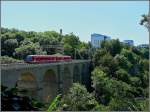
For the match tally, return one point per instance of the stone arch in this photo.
(50, 85)
(76, 74)
(67, 80)
(27, 85)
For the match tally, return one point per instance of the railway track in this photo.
(23, 64)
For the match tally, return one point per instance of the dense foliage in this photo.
(19, 44)
(119, 75)
(79, 98)
(12, 102)
(8, 60)
(120, 80)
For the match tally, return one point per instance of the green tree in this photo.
(105, 61)
(4, 30)
(145, 79)
(145, 21)
(26, 42)
(113, 46)
(97, 56)
(84, 53)
(9, 46)
(84, 45)
(144, 65)
(142, 105)
(145, 53)
(48, 40)
(52, 34)
(123, 62)
(133, 58)
(106, 87)
(119, 104)
(99, 80)
(136, 51)
(6, 59)
(79, 99)
(68, 49)
(29, 49)
(20, 36)
(121, 74)
(72, 42)
(135, 81)
(31, 34)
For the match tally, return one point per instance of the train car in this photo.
(67, 58)
(47, 58)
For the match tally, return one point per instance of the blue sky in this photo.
(118, 19)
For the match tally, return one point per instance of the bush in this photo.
(79, 99)
(7, 60)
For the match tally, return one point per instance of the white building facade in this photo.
(97, 38)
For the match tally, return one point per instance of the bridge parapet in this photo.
(25, 65)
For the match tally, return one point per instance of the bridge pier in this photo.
(51, 79)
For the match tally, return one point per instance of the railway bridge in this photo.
(44, 81)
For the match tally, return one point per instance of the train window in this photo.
(54, 58)
(36, 59)
(33, 58)
(29, 58)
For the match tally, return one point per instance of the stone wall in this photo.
(44, 82)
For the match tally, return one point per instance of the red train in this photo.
(46, 58)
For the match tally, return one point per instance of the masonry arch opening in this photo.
(27, 85)
(50, 85)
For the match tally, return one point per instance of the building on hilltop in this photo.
(143, 46)
(97, 38)
(129, 42)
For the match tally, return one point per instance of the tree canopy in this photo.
(22, 43)
(120, 76)
(119, 73)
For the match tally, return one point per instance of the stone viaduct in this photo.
(44, 81)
